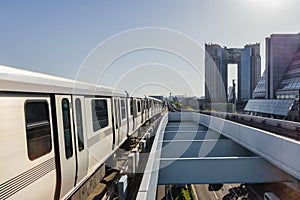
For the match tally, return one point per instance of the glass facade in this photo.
(290, 84)
(245, 78)
(260, 90)
(281, 79)
(270, 106)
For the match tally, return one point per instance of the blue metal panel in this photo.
(204, 148)
(219, 170)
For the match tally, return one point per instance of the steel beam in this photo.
(202, 148)
(219, 170)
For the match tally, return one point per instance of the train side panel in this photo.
(130, 116)
(99, 131)
(80, 137)
(26, 146)
(123, 117)
(138, 119)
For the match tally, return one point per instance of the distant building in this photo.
(180, 97)
(193, 103)
(173, 98)
(217, 59)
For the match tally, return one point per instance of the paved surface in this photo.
(281, 190)
(226, 192)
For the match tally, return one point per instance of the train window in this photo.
(139, 106)
(100, 114)
(131, 107)
(67, 128)
(123, 109)
(38, 129)
(79, 126)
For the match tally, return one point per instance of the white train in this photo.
(55, 132)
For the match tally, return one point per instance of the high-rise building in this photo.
(217, 59)
(250, 71)
(215, 74)
(281, 79)
(280, 49)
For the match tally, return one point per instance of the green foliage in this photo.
(210, 110)
(186, 194)
(177, 104)
(181, 192)
(188, 108)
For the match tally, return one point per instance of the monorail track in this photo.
(107, 187)
(280, 127)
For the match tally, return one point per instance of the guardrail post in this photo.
(131, 163)
(122, 187)
(143, 145)
(137, 156)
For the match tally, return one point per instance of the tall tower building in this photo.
(215, 74)
(280, 49)
(217, 59)
(277, 93)
(250, 71)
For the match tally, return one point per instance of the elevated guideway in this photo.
(191, 148)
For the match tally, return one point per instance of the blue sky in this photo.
(56, 37)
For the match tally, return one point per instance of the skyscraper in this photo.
(215, 74)
(281, 79)
(280, 49)
(217, 59)
(250, 71)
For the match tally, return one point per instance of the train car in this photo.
(137, 109)
(55, 132)
(154, 106)
(130, 116)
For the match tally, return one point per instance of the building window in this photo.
(123, 109)
(38, 129)
(67, 128)
(79, 126)
(100, 114)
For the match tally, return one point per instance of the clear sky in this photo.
(61, 37)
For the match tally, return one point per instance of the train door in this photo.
(142, 110)
(134, 108)
(124, 117)
(66, 143)
(147, 114)
(80, 137)
(117, 120)
(131, 116)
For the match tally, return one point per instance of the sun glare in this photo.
(268, 3)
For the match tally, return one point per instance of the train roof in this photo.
(155, 99)
(19, 80)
